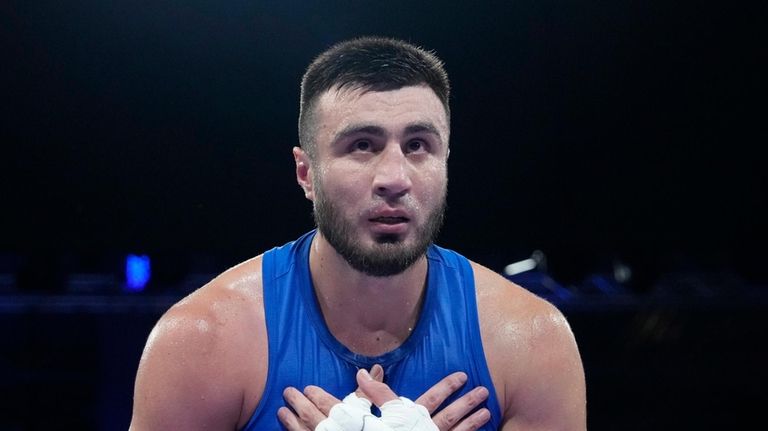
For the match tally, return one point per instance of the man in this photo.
(367, 290)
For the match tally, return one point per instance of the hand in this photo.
(451, 417)
(315, 404)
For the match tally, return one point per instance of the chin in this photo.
(388, 238)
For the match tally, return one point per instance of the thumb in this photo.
(377, 392)
(377, 372)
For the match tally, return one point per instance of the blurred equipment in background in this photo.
(531, 273)
(612, 279)
(138, 271)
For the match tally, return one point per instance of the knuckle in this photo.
(445, 420)
(478, 419)
(433, 399)
(477, 396)
(305, 415)
(454, 382)
(450, 419)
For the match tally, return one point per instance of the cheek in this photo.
(345, 185)
(433, 185)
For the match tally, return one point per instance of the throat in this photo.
(372, 330)
(369, 315)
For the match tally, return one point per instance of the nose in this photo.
(391, 177)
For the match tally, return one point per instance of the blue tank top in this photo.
(302, 351)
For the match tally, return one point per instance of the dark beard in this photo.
(388, 256)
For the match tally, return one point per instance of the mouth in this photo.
(389, 220)
(390, 223)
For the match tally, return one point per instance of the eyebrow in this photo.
(422, 127)
(378, 131)
(357, 129)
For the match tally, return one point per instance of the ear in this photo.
(304, 172)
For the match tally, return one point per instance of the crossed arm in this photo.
(310, 408)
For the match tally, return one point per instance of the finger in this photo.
(434, 397)
(307, 412)
(377, 372)
(378, 392)
(455, 411)
(321, 399)
(290, 421)
(473, 422)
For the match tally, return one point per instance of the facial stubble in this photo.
(389, 255)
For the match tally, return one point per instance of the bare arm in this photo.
(533, 357)
(178, 385)
(205, 363)
(550, 395)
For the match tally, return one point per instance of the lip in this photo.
(387, 220)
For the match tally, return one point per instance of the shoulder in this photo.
(215, 315)
(516, 324)
(200, 354)
(532, 354)
(505, 305)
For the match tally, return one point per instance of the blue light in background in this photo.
(137, 272)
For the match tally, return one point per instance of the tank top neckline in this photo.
(315, 315)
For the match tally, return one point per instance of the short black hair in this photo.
(372, 64)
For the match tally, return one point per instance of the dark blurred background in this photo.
(617, 145)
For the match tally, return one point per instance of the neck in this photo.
(369, 315)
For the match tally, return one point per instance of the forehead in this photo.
(393, 110)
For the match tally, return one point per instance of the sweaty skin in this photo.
(205, 362)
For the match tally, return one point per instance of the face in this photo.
(379, 177)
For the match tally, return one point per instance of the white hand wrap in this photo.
(354, 414)
(403, 414)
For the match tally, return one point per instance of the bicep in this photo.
(179, 384)
(552, 395)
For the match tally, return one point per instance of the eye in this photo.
(415, 145)
(361, 145)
